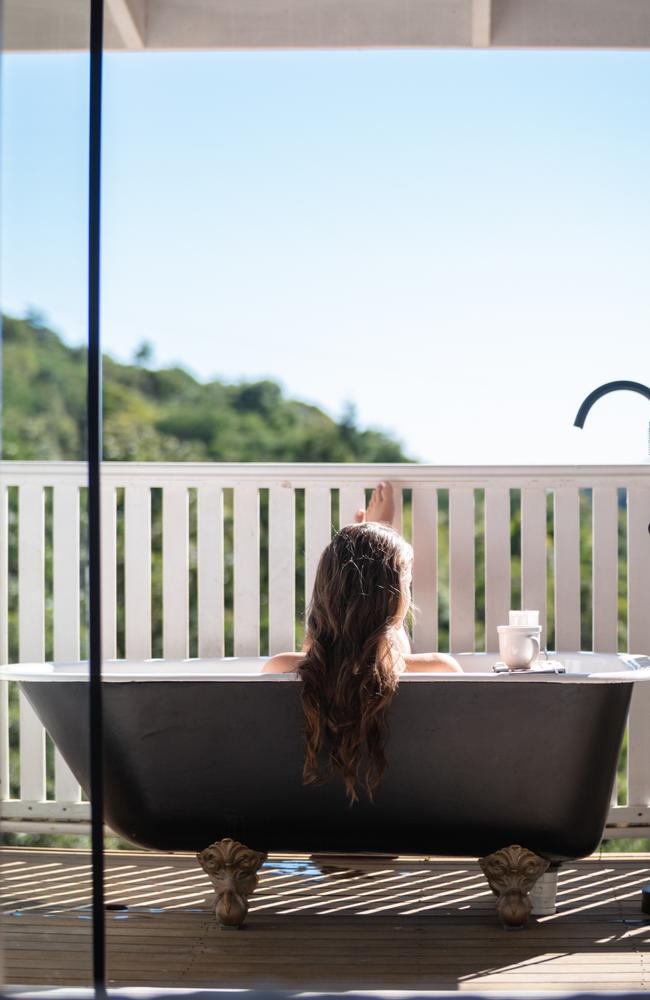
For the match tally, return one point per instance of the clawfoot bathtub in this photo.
(517, 769)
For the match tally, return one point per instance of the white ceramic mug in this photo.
(519, 645)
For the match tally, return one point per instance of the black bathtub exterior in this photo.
(472, 766)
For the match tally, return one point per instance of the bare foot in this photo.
(381, 506)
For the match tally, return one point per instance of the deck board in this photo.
(322, 924)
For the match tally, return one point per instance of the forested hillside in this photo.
(162, 415)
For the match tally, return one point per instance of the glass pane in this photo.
(329, 223)
(353, 257)
(44, 857)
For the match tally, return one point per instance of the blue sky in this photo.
(456, 242)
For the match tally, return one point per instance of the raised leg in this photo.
(232, 868)
(381, 507)
(511, 874)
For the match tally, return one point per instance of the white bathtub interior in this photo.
(615, 666)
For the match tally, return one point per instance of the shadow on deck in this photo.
(343, 924)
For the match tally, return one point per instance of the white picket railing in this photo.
(213, 591)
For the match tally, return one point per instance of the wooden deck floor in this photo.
(342, 925)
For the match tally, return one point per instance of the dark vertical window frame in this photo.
(94, 430)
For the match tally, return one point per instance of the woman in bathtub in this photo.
(356, 647)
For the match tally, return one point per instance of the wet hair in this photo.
(351, 666)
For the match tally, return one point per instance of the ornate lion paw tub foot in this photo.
(232, 868)
(511, 874)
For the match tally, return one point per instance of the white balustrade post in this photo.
(282, 569)
(31, 631)
(425, 569)
(533, 552)
(109, 570)
(137, 571)
(566, 539)
(175, 543)
(461, 569)
(605, 569)
(247, 570)
(638, 631)
(497, 562)
(210, 570)
(66, 555)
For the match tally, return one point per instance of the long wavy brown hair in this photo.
(351, 665)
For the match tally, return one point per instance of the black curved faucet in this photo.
(602, 390)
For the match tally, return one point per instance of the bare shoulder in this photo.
(283, 663)
(431, 663)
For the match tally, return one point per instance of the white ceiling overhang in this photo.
(46, 25)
